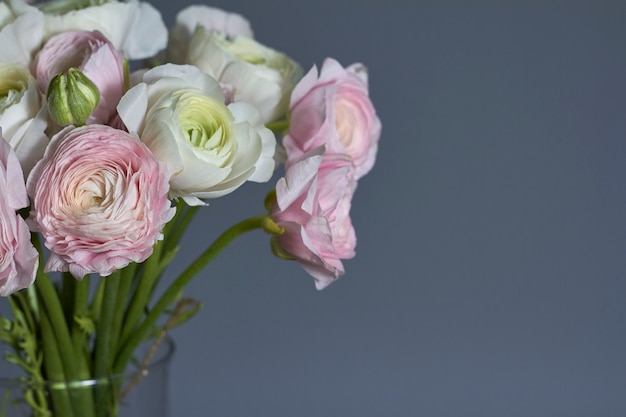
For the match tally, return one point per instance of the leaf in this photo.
(86, 324)
(5, 330)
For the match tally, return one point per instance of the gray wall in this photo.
(490, 271)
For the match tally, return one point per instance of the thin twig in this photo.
(180, 309)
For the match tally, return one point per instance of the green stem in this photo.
(96, 301)
(81, 310)
(173, 235)
(174, 290)
(73, 364)
(61, 403)
(153, 268)
(102, 355)
(67, 295)
(125, 285)
(54, 311)
(278, 126)
(140, 299)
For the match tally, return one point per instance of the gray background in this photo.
(490, 271)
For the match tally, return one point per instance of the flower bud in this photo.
(72, 97)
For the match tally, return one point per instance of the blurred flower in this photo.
(179, 112)
(10, 10)
(210, 18)
(21, 32)
(18, 257)
(334, 110)
(312, 205)
(256, 74)
(133, 27)
(100, 200)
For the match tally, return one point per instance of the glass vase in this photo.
(141, 391)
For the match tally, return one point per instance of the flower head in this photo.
(179, 113)
(257, 74)
(333, 109)
(133, 27)
(210, 18)
(18, 257)
(100, 200)
(312, 205)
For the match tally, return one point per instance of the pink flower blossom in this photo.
(99, 200)
(313, 203)
(18, 257)
(334, 110)
(95, 57)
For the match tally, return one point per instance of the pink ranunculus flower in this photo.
(18, 257)
(99, 200)
(313, 203)
(92, 54)
(334, 110)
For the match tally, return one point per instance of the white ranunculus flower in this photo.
(179, 112)
(11, 9)
(133, 27)
(22, 117)
(257, 74)
(21, 35)
(210, 18)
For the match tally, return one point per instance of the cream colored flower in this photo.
(179, 112)
(256, 74)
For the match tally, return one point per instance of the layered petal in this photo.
(333, 108)
(18, 257)
(100, 200)
(253, 72)
(312, 205)
(135, 28)
(209, 18)
(180, 114)
(95, 56)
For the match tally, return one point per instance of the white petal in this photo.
(148, 34)
(133, 106)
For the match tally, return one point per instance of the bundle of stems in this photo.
(76, 330)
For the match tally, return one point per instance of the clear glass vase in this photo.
(142, 391)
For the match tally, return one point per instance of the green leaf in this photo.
(5, 330)
(86, 324)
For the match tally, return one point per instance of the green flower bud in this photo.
(71, 98)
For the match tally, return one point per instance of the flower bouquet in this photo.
(115, 132)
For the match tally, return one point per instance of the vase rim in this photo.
(165, 351)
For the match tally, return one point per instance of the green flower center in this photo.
(207, 126)
(13, 84)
